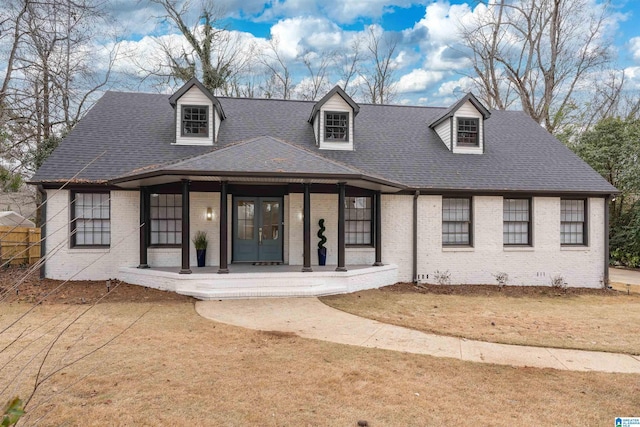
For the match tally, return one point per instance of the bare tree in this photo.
(57, 76)
(378, 72)
(11, 23)
(318, 67)
(50, 79)
(541, 50)
(279, 80)
(213, 54)
(348, 62)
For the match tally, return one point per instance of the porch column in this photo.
(144, 226)
(341, 227)
(185, 228)
(378, 230)
(307, 229)
(223, 268)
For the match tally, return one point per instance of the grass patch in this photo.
(601, 321)
(175, 368)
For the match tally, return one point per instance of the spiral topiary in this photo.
(323, 239)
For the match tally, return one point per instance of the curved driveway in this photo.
(310, 318)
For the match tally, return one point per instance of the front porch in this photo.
(260, 281)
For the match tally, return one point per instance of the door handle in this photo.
(260, 235)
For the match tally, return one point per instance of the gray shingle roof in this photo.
(275, 157)
(395, 143)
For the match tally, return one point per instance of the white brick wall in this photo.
(64, 262)
(322, 206)
(580, 266)
(397, 234)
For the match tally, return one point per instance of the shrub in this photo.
(557, 282)
(502, 278)
(442, 277)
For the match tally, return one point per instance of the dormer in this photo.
(332, 119)
(461, 127)
(198, 114)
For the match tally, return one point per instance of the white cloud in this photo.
(634, 47)
(131, 18)
(347, 11)
(437, 35)
(296, 35)
(632, 76)
(454, 88)
(418, 80)
(339, 11)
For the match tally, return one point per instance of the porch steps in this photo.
(262, 281)
(204, 291)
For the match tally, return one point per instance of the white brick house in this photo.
(406, 194)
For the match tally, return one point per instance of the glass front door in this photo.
(257, 233)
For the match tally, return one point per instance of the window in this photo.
(573, 224)
(358, 223)
(456, 221)
(336, 126)
(516, 222)
(91, 225)
(166, 219)
(246, 216)
(468, 131)
(195, 120)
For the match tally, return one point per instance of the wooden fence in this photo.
(21, 245)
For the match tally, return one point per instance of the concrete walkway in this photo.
(620, 277)
(310, 318)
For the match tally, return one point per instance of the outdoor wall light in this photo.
(209, 214)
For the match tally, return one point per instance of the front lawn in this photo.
(578, 319)
(173, 367)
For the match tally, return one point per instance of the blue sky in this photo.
(428, 68)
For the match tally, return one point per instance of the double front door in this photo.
(257, 229)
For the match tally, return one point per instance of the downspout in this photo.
(42, 223)
(605, 276)
(415, 236)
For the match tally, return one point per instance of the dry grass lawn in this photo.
(174, 368)
(602, 322)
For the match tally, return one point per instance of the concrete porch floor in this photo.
(261, 281)
(260, 269)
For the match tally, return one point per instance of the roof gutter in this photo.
(505, 192)
(415, 236)
(42, 223)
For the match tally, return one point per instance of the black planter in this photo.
(322, 256)
(201, 254)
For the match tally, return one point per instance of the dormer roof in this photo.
(173, 99)
(336, 90)
(451, 110)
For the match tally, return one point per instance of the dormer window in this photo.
(336, 126)
(195, 121)
(461, 126)
(333, 120)
(468, 131)
(198, 114)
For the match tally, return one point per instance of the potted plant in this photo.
(200, 241)
(322, 250)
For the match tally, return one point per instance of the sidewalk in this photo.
(310, 318)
